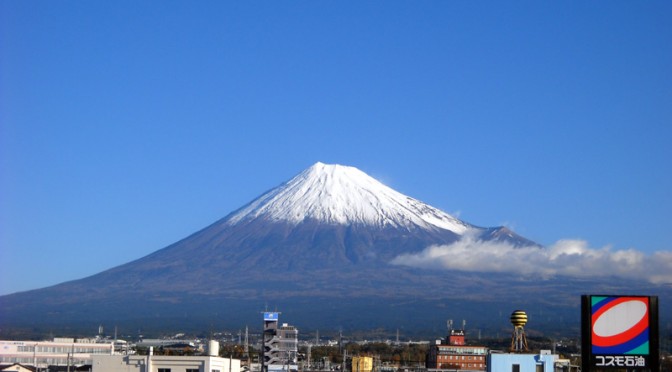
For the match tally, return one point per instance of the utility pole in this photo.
(71, 355)
(340, 340)
(247, 345)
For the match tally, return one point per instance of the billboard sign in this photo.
(619, 332)
(270, 317)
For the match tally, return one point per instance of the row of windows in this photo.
(42, 360)
(463, 365)
(17, 360)
(65, 349)
(460, 357)
(462, 350)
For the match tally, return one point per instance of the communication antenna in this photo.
(450, 324)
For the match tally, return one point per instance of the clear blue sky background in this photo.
(126, 126)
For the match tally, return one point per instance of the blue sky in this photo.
(126, 126)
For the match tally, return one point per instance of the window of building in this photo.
(514, 368)
(164, 369)
(540, 368)
(192, 370)
(215, 370)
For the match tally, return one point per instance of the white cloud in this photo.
(566, 258)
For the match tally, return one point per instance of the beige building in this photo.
(163, 363)
(60, 351)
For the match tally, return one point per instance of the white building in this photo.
(163, 363)
(166, 363)
(61, 351)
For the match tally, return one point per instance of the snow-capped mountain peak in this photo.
(337, 194)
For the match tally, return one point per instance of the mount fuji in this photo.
(329, 217)
(342, 195)
(320, 248)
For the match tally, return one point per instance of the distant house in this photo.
(16, 367)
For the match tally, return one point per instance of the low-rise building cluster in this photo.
(279, 347)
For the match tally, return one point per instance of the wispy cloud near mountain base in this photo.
(568, 257)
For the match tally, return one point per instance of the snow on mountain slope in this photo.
(337, 194)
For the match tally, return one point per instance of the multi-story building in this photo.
(60, 351)
(281, 345)
(453, 353)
